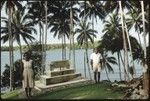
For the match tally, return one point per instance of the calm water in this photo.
(56, 55)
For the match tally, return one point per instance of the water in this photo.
(54, 55)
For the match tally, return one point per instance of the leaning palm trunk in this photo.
(107, 74)
(124, 44)
(129, 43)
(145, 72)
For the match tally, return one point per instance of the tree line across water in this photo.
(49, 46)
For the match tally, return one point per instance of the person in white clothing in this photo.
(28, 74)
(95, 60)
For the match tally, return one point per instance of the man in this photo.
(95, 64)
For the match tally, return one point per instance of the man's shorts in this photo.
(97, 67)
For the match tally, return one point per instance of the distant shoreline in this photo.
(49, 46)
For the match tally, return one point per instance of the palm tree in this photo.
(145, 74)
(73, 14)
(60, 22)
(20, 27)
(124, 38)
(92, 9)
(112, 39)
(10, 7)
(106, 61)
(85, 34)
(134, 21)
(38, 17)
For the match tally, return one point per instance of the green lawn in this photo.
(10, 95)
(92, 91)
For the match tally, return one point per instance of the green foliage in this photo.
(17, 75)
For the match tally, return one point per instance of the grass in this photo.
(92, 91)
(10, 95)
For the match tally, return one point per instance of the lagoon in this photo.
(53, 55)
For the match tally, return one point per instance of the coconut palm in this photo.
(20, 27)
(145, 73)
(60, 21)
(85, 34)
(134, 21)
(112, 39)
(73, 12)
(92, 9)
(37, 15)
(10, 7)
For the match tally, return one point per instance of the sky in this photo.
(51, 40)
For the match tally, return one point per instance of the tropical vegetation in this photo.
(65, 20)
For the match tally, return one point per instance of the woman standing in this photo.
(28, 81)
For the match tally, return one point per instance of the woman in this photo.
(28, 81)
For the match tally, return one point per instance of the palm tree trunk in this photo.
(145, 74)
(74, 57)
(64, 47)
(107, 74)
(85, 64)
(72, 38)
(70, 43)
(40, 34)
(119, 66)
(10, 49)
(87, 59)
(129, 43)
(125, 72)
(93, 28)
(139, 37)
(45, 43)
(71, 23)
(124, 40)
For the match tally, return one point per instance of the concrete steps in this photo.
(47, 80)
(61, 72)
(41, 87)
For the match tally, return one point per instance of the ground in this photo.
(91, 91)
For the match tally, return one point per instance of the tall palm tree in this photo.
(10, 7)
(125, 41)
(60, 22)
(85, 34)
(38, 17)
(112, 39)
(73, 13)
(145, 74)
(20, 27)
(92, 9)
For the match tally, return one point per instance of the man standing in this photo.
(95, 64)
